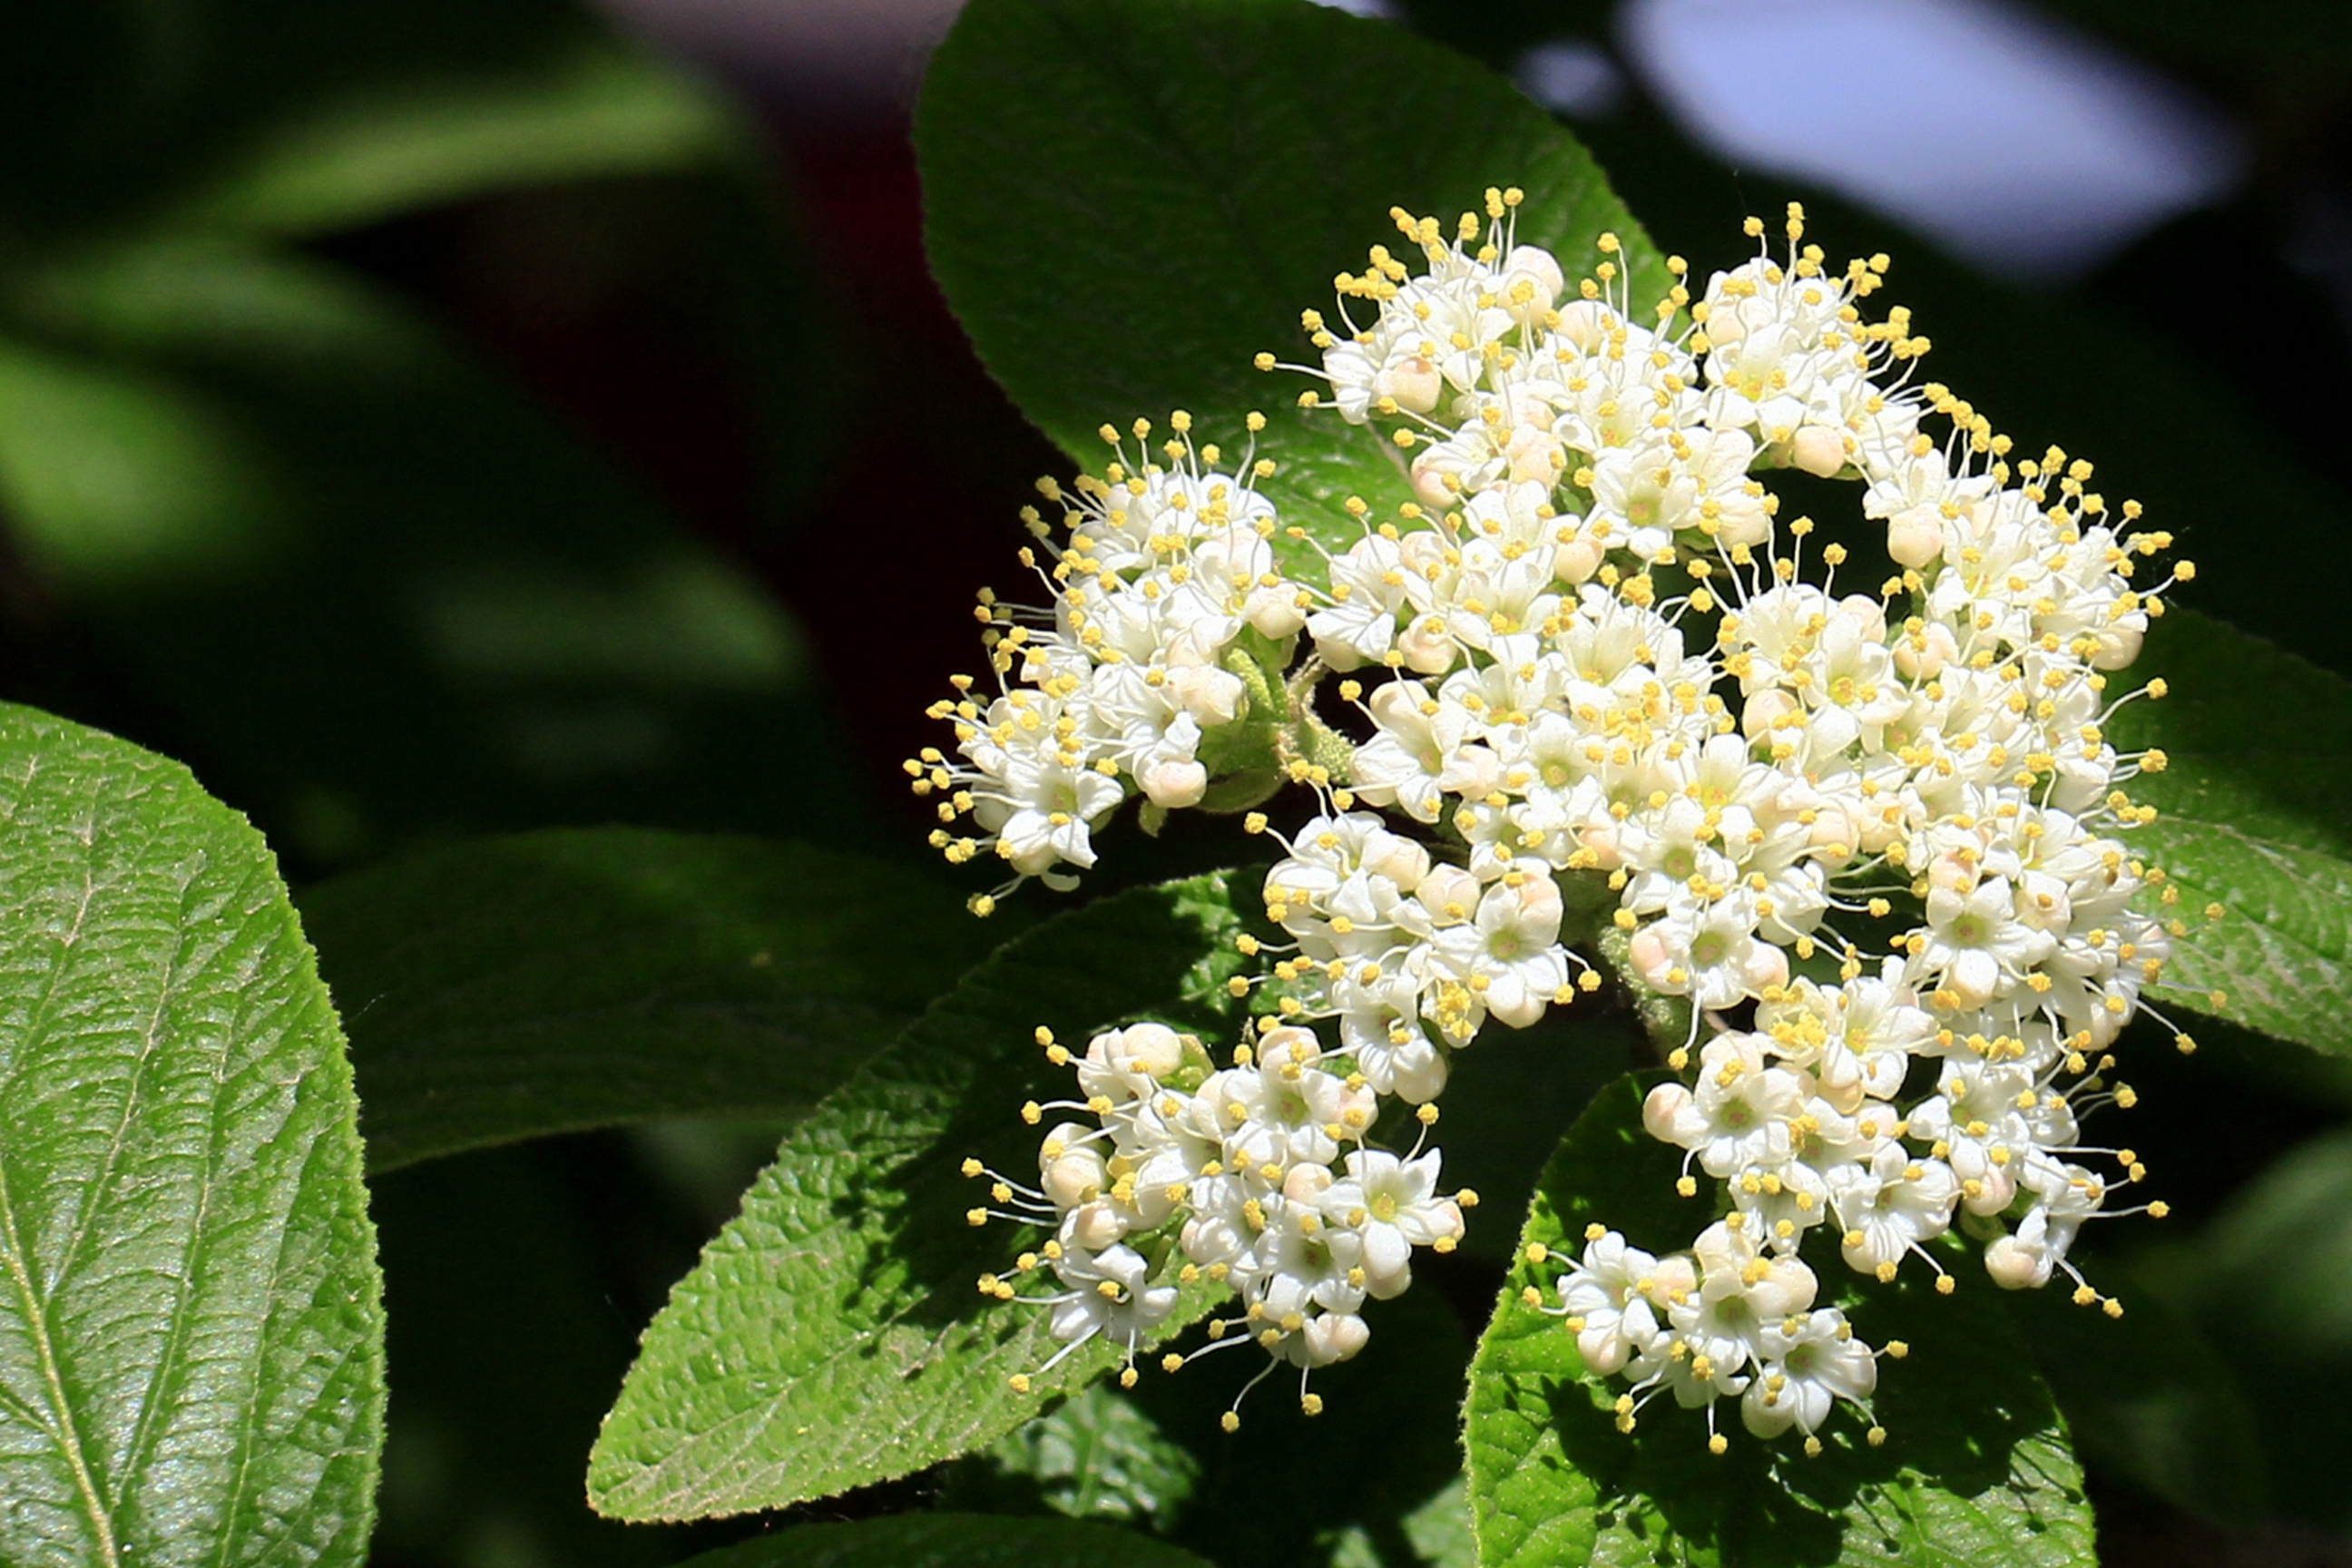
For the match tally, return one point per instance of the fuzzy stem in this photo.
(1665, 1019)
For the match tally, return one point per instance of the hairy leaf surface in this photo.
(509, 987)
(191, 1330)
(2251, 816)
(830, 1335)
(1983, 1477)
(1127, 203)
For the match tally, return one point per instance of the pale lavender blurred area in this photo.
(2025, 147)
(823, 56)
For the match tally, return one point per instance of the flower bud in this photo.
(1211, 696)
(2119, 644)
(2014, 1265)
(1151, 1048)
(1174, 782)
(1334, 1337)
(1925, 662)
(1096, 1226)
(1536, 267)
(1305, 1184)
(1427, 646)
(1764, 710)
(1577, 559)
(1817, 449)
(1665, 1111)
(1449, 893)
(1915, 536)
(1403, 861)
(1077, 1177)
(1414, 382)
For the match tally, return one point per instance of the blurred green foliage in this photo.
(368, 585)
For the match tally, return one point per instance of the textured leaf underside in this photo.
(191, 1334)
(1976, 1468)
(830, 1335)
(1126, 204)
(511, 987)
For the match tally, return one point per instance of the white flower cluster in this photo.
(1260, 1170)
(1164, 569)
(1852, 832)
(1726, 1319)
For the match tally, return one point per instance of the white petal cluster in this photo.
(1870, 836)
(1166, 565)
(1404, 952)
(1259, 1172)
(1726, 1319)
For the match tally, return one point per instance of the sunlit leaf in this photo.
(191, 1329)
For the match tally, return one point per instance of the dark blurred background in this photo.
(482, 415)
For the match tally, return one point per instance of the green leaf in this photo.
(2269, 1269)
(830, 1335)
(191, 1332)
(1158, 1456)
(950, 1540)
(1099, 1455)
(2251, 815)
(2150, 1397)
(505, 988)
(267, 488)
(1975, 1467)
(1125, 202)
(1440, 1529)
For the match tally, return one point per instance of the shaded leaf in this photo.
(1188, 1481)
(191, 1330)
(950, 1541)
(1125, 202)
(2270, 1270)
(830, 1335)
(1099, 1455)
(509, 987)
(2150, 1397)
(1985, 1480)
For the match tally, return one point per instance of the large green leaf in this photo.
(2251, 816)
(1127, 200)
(270, 488)
(191, 1330)
(830, 1335)
(2150, 1397)
(950, 1540)
(1975, 1469)
(509, 987)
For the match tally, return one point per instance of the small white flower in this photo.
(1805, 1370)
(1393, 1205)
